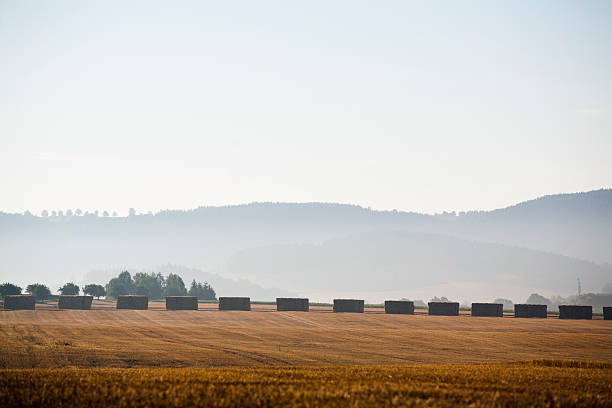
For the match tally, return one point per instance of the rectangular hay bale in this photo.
(19, 302)
(181, 303)
(443, 308)
(527, 311)
(348, 306)
(74, 302)
(488, 309)
(607, 313)
(399, 307)
(575, 312)
(292, 304)
(235, 303)
(133, 302)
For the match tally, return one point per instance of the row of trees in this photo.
(76, 213)
(153, 285)
(42, 292)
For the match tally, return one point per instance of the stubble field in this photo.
(267, 358)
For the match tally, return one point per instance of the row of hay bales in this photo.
(137, 302)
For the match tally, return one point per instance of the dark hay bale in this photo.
(488, 309)
(19, 302)
(527, 310)
(443, 308)
(74, 302)
(575, 312)
(399, 307)
(181, 303)
(348, 306)
(292, 304)
(235, 303)
(607, 312)
(133, 302)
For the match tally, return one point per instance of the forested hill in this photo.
(574, 225)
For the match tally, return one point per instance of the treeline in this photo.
(153, 285)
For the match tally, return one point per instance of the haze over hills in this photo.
(319, 249)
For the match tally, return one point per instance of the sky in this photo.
(415, 106)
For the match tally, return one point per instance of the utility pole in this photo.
(579, 288)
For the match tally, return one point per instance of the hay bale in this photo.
(443, 308)
(575, 312)
(19, 302)
(132, 302)
(399, 307)
(348, 306)
(181, 303)
(488, 309)
(528, 310)
(235, 303)
(74, 302)
(292, 304)
(607, 312)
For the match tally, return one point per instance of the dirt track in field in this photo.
(104, 336)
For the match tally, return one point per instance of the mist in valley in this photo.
(323, 250)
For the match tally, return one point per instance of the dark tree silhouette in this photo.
(9, 289)
(39, 291)
(175, 286)
(203, 291)
(69, 289)
(94, 290)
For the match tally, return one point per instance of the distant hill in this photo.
(56, 249)
(384, 261)
(577, 225)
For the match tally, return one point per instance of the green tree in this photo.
(175, 286)
(151, 285)
(203, 291)
(94, 290)
(39, 291)
(121, 285)
(9, 289)
(69, 289)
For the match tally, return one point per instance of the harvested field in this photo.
(520, 384)
(48, 337)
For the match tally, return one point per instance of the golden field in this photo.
(263, 358)
(521, 384)
(105, 337)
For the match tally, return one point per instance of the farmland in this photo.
(521, 384)
(207, 357)
(105, 337)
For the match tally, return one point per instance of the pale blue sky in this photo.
(423, 106)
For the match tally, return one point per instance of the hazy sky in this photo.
(423, 106)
